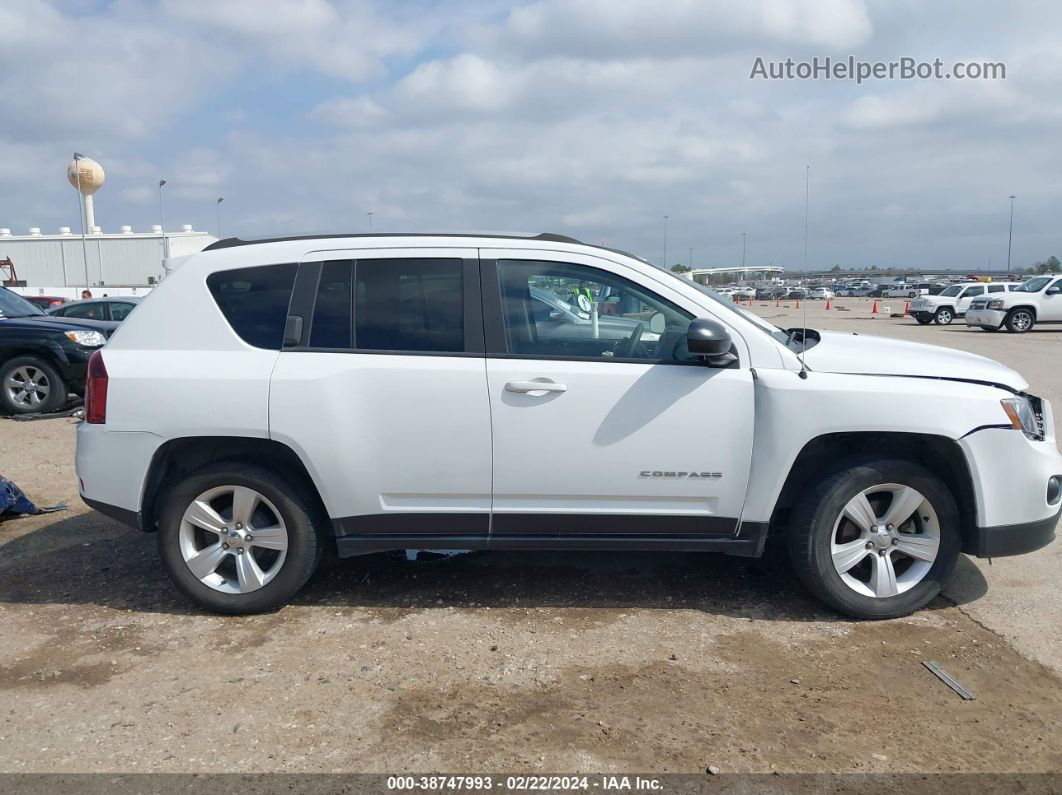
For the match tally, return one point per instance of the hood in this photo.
(838, 352)
(61, 324)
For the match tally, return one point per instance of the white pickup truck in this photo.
(953, 301)
(1039, 300)
(369, 393)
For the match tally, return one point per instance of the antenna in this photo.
(804, 309)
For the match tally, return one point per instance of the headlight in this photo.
(1023, 416)
(89, 339)
(995, 304)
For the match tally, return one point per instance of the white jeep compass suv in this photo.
(382, 392)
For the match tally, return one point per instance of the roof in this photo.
(230, 242)
(548, 237)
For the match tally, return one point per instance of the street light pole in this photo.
(162, 212)
(220, 200)
(81, 212)
(1010, 233)
(743, 250)
(665, 243)
(370, 219)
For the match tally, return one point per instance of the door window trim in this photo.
(304, 299)
(494, 319)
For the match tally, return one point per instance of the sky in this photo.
(589, 118)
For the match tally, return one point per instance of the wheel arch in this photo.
(1030, 307)
(939, 454)
(177, 457)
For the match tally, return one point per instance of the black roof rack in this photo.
(232, 242)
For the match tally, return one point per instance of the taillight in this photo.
(96, 390)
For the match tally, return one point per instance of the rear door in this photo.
(381, 388)
(605, 428)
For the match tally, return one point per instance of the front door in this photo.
(382, 388)
(1051, 304)
(604, 426)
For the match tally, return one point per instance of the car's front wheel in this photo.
(30, 385)
(923, 321)
(1019, 320)
(238, 539)
(876, 538)
(944, 316)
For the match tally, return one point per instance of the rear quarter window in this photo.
(255, 301)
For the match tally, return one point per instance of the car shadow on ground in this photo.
(89, 559)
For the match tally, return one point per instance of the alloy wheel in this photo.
(885, 541)
(27, 386)
(233, 539)
(1021, 320)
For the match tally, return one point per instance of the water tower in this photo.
(86, 175)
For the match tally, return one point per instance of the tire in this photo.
(989, 328)
(47, 394)
(225, 588)
(820, 530)
(944, 316)
(924, 321)
(1020, 320)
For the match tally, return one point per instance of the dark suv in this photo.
(43, 358)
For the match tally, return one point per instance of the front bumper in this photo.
(989, 318)
(1011, 476)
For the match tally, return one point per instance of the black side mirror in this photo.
(710, 339)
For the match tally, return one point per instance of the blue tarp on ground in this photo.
(12, 500)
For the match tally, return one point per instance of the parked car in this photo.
(105, 308)
(796, 293)
(744, 293)
(953, 301)
(375, 393)
(1038, 300)
(42, 358)
(45, 301)
(860, 289)
(822, 293)
(902, 290)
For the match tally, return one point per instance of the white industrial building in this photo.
(123, 259)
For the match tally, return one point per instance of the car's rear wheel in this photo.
(944, 316)
(238, 539)
(876, 539)
(1020, 320)
(31, 385)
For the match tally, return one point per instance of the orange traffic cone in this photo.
(874, 311)
(907, 309)
(750, 302)
(827, 304)
(797, 304)
(777, 301)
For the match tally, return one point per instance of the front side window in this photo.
(978, 289)
(255, 301)
(563, 310)
(412, 305)
(93, 310)
(952, 291)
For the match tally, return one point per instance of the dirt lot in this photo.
(495, 662)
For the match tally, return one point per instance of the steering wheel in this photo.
(632, 341)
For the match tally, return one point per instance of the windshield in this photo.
(14, 305)
(952, 291)
(1033, 285)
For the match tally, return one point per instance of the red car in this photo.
(45, 302)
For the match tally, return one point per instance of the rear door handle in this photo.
(535, 387)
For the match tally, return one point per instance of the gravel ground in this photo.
(492, 662)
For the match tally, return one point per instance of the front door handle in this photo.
(535, 388)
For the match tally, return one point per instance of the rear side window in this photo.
(409, 305)
(119, 311)
(255, 301)
(331, 310)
